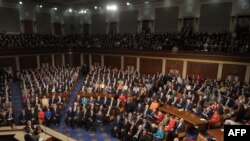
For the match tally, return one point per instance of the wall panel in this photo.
(9, 20)
(72, 24)
(76, 59)
(113, 61)
(96, 59)
(128, 21)
(129, 61)
(43, 23)
(177, 65)
(208, 70)
(86, 59)
(166, 19)
(27, 62)
(45, 59)
(237, 70)
(215, 17)
(8, 62)
(150, 66)
(98, 23)
(58, 59)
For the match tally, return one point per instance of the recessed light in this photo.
(95, 7)
(20, 2)
(128, 4)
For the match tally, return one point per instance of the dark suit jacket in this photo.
(28, 137)
(145, 137)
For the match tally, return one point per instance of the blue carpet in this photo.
(81, 134)
(17, 103)
(72, 98)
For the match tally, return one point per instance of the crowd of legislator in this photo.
(42, 93)
(128, 101)
(6, 114)
(214, 42)
(132, 110)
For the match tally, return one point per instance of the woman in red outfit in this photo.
(215, 117)
(41, 116)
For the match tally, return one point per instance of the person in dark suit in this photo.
(229, 102)
(29, 136)
(138, 133)
(187, 106)
(90, 120)
(207, 113)
(181, 103)
(55, 115)
(139, 109)
(84, 116)
(53, 100)
(131, 132)
(23, 117)
(70, 117)
(116, 127)
(145, 136)
(28, 126)
(124, 128)
(98, 121)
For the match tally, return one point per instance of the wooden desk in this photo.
(217, 134)
(47, 135)
(19, 135)
(187, 116)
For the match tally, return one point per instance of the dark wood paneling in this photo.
(8, 62)
(86, 59)
(96, 59)
(150, 66)
(76, 59)
(28, 26)
(57, 27)
(45, 59)
(208, 70)
(27, 62)
(171, 64)
(129, 61)
(113, 61)
(238, 70)
(58, 59)
(68, 59)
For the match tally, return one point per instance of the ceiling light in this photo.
(20, 2)
(41, 6)
(111, 7)
(146, 2)
(55, 8)
(128, 4)
(96, 7)
(70, 10)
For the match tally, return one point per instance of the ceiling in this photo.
(92, 3)
(77, 3)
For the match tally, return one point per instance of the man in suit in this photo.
(90, 120)
(29, 136)
(138, 134)
(55, 115)
(70, 117)
(28, 126)
(116, 126)
(188, 105)
(84, 116)
(145, 136)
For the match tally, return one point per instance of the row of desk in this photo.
(193, 120)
